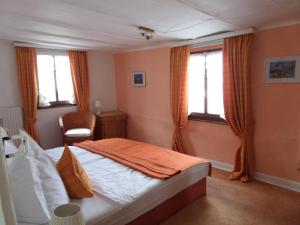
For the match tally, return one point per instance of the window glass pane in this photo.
(64, 79)
(196, 83)
(45, 64)
(214, 65)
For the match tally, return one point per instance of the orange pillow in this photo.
(73, 175)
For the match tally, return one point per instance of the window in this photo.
(206, 86)
(54, 79)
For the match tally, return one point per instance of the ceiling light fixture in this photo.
(146, 32)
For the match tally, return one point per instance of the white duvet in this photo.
(109, 178)
(122, 194)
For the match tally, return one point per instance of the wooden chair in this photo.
(77, 127)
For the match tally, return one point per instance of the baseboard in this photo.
(277, 181)
(222, 166)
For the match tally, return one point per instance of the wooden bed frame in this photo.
(172, 205)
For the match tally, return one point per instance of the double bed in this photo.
(125, 196)
(122, 195)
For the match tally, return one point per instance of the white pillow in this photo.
(29, 200)
(38, 186)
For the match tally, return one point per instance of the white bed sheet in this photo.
(122, 194)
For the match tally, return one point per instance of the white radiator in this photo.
(11, 118)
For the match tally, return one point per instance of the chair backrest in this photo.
(75, 120)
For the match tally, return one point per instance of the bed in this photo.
(125, 196)
(122, 195)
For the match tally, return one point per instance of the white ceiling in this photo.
(112, 24)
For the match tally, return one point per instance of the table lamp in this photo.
(98, 107)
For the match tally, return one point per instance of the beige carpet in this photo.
(234, 203)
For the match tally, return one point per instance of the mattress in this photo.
(122, 194)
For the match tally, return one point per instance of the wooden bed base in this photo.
(172, 205)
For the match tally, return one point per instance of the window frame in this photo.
(57, 103)
(207, 117)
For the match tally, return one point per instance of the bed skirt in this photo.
(172, 205)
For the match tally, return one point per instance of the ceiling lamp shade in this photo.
(67, 214)
(146, 32)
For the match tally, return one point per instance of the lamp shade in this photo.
(97, 103)
(67, 214)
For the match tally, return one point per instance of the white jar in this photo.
(67, 214)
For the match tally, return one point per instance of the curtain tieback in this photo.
(178, 128)
(245, 132)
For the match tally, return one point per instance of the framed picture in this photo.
(138, 79)
(283, 70)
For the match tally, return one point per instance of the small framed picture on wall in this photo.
(283, 70)
(138, 79)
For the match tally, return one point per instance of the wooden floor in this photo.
(234, 203)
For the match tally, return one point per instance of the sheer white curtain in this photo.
(196, 83)
(46, 79)
(211, 64)
(214, 65)
(49, 84)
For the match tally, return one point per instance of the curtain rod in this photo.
(46, 46)
(213, 39)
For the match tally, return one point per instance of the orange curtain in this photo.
(28, 84)
(179, 96)
(80, 78)
(237, 101)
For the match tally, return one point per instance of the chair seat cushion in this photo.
(79, 132)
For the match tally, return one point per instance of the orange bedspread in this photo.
(149, 159)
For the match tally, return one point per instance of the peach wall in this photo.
(276, 109)
(149, 108)
(276, 106)
(102, 80)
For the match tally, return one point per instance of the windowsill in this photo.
(210, 118)
(57, 106)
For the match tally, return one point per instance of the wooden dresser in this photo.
(110, 125)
